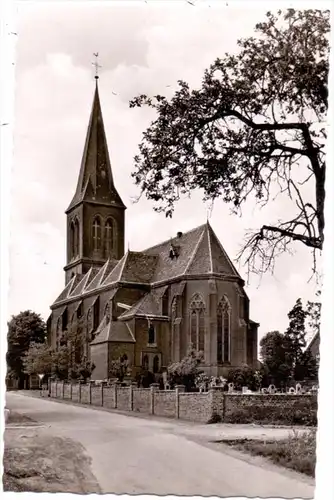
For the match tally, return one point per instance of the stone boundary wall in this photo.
(197, 407)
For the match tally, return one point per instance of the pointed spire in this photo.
(95, 181)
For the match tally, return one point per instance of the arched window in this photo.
(76, 237)
(58, 333)
(197, 327)
(96, 313)
(107, 312)
(72, 239)
(151, 334)
(108, 236)
(96, 233)
(173, 318)
(155, 364)
(165, 301)
(145, 362)
(223, 331)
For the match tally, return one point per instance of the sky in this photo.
(143, 48)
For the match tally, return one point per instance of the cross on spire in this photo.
(96, 65)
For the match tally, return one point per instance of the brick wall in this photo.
(141, 400)
(67, 391)
(109, 397)
(123, 398)
(164, 403)
(96, 394)
(268, 407)
(197, 407)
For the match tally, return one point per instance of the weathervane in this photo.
(96, 64)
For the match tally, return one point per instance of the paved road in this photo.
(145, 456)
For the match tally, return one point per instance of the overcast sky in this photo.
(143, 49)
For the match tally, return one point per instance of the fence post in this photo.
(102, 393)
(56, 388)
(178, 389)
(177, 405)
(71, 390)
(63, 392)
(154, 387)
(79, 391)
(130, 397)
(90, 393)
(115, 395)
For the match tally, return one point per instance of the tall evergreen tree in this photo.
(295, 334)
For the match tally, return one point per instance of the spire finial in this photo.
(96, 64)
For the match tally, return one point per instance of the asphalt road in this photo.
(145, 456)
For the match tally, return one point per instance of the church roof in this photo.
(95, 178)
(197, 252)
(114, 331)
(148, 306)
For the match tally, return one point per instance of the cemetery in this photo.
(213, 403)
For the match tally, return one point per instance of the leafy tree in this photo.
(38, 359)
(23, 329)
(313, 310)
(61, 363)
(119, 368)
(253, 131)
(186, 371)
(242, 377)
(274, 349)
(307, 367)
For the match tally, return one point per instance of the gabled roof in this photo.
(199, 252)
(148, 306)
(69, 288)
(82, 285)
(95, 181)
(102, 274)
(114, 331)
(134, 267)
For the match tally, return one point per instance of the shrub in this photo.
(214, 419)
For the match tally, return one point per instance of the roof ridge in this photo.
(210, 249)
(200, 239)
(224, 252)
(170, 239)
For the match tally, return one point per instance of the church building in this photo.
(149, 306)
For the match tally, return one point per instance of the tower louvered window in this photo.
(197, 326)
(96, 228)
(108, 236)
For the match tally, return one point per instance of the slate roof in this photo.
(114, 331)
(95, 177)
(150, 305)
(199, 252)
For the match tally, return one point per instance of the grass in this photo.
(36, 461)
(298, 452)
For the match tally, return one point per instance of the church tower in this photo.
(95, 216)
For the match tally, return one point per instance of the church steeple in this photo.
(95, 216)
(95, 181)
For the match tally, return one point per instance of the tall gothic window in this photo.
(173, 318)
(76, 237)
(197, 328)
(155, 364)
(145, 362)
(72, 239)
(108, 236)
(96, 313)
(96, 233)
(223, 331)
(107, 312)
(151, 334)
(165, 300)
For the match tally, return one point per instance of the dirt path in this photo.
(35, 460)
